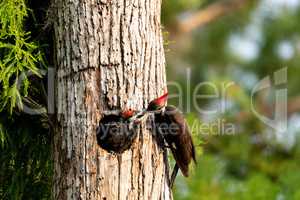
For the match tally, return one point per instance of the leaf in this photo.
(2, 136)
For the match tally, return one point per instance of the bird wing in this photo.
(182, 148)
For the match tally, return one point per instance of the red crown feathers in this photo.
(158, 103)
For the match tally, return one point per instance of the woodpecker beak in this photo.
(138, 116)
(142, 115)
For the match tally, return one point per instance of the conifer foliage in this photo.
(19, 55)
(25, 162)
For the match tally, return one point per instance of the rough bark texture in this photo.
(109, 55)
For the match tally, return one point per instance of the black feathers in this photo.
(114, 134)
(172, 125)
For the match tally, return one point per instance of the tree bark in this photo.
(109, 55)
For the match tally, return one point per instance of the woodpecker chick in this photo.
(113, 132)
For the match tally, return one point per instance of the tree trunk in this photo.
(109, 55)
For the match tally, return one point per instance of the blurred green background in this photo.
(242, 45)
(236, 42)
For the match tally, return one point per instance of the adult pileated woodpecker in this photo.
(172, 125)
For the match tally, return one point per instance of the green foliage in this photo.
(227, 175)
(26, 165)
(252, 163)
(18, 55)
(173, 7)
